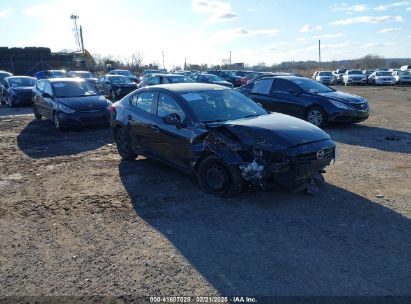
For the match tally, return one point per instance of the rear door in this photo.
(259, 91)
(140, 116)
(284, 101)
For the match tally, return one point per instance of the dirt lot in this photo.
(76, 220)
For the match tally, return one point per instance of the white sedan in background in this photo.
(325, 77)
(402, 77)
(354, 77)
(381, 78)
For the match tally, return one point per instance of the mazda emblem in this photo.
(320, 154)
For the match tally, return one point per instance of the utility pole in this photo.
(164, 67)
(74, 17)
(230, 61)
(81, 39)
(319, 52)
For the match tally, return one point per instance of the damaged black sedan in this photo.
(221, 136)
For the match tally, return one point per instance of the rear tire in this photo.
(316, 116)
(218, 178)
(123, 144)
(36, 112)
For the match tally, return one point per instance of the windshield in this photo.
(383, 74)
(213, 78)
(354, 72)
(83, 74)
(120, 79)
(124, 73)
(312, 86)
(74, 89)
(178, 79)
(325, 74)
(22, 82)
(57, 74)
(221, 105)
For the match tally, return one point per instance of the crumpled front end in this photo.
(264, 165)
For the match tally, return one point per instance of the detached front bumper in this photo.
(80, 119)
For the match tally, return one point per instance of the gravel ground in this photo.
(75, 220)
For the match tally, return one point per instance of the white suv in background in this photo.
(381, 78)
(325, 77)
(402, 77)
(354, 77)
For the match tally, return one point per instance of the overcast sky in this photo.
(205, 31)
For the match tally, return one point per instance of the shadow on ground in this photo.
(40, 139)
(371, 137)
(275, 243)
(20, 110)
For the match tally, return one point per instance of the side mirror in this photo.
(172, 119)
(46, 95)
(107, 82)
(101, 92)
(295, 92)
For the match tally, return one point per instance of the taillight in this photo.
(112, 109)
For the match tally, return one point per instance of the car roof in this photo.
(15, 76)
(289, 77)
(187, 87)
(112, 76)
(166, 75)
(79, 72)
(64, 79)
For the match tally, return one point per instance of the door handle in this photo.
(154, 128)
(129, 117)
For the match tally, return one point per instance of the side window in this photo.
(167, 105)
(202, 78)
(262, 86)
(40, 85)
(48, 89)
(283, 85)
(164, 80)
(155, 80)
(143, 101)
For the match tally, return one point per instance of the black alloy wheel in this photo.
(316, 116)
(36, 112)
(123, 144)
(217, 178)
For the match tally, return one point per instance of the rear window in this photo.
(143, 101)
(262, 86)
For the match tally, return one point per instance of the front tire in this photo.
(218, 178)
(36, 112)
(123, 144)
(316, 116)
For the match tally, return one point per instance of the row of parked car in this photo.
(263, 133)
(372, 77)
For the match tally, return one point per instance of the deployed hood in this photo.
(85, 103)
(343, 97)
(273, 131)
